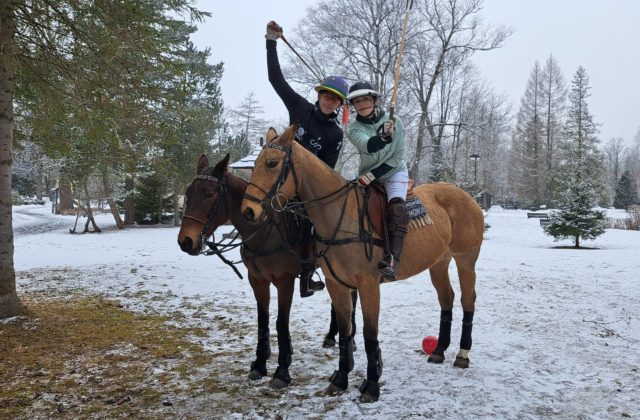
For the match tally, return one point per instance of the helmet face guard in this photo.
(335, 85)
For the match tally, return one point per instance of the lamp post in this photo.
(475, 158)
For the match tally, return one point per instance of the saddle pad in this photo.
(417, 212)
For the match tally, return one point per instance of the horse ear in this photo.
(221, 167)
(271, 134)
(289, 134)
(203, 164)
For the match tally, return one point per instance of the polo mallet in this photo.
(300, 57)
(396, 75)
(345, 107)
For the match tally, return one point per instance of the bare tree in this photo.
(614, 152)
(452, 28)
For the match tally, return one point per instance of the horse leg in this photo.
(467, 274)
(370, 304)
(281, 378)
(263, 349)
(440, 279)
(330, 338)
(343, 305)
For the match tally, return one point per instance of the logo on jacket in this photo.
(313, 144)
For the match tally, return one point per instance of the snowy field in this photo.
(556, 331)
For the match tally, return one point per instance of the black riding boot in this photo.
(307, 284)
(397, 221)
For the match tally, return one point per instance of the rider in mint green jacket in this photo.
(380, 142)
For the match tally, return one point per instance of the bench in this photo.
(545, 222)
(537, 215)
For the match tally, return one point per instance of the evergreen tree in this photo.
(579, 151)
(528, 163)
(626, 192)
(581, 173)
(553, 94)
(577, 219)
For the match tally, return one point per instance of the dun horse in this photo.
(214, 197)
(285, 169)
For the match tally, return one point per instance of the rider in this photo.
(318, 130)
(380, 142)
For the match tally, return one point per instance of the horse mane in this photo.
(316, 162)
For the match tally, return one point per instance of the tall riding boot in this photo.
(307, 284)
(397, 221)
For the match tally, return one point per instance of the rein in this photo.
(213, 246)
(364, 235)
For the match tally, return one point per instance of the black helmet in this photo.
(359, 89)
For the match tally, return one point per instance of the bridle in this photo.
(267, 203)
(365, 236)
(207, 226)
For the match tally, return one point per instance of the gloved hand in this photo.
(388, 129)
(274, 31)
(366, 179)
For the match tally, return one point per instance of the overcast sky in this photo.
(603, 36)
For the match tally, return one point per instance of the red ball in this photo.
(429, 344)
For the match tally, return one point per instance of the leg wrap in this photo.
(346, 354)
(285, 350)
(263, 350)
(467, 326)
(444, 336)
(374, 359)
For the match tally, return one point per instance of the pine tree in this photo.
(577, 219)
(580, 175)
(626, 192)
(579, 151)
(528, 162)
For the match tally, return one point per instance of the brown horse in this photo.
(214, 197)
(285, 169)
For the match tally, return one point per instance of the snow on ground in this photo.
(555, 334)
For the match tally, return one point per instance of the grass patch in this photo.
(87, 356)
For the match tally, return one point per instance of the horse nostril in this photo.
(248, 214)
(186, 244)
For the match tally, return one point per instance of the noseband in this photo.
(207, 225)
(272, 195)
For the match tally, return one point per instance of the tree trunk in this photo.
(577, 241)
(65, 196)
(129, 202)
(10, 304)
(176, 205)
(90, 218)
(112, 204)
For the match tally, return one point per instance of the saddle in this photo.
(376, 205)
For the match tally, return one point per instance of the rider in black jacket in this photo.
(318, 128)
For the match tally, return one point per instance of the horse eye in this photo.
(272, 164)
(211, 194)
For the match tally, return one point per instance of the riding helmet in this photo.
(359, 89)
(334, 84)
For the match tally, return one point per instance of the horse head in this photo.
(274, 180)
(207, 205)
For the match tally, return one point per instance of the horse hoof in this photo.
(334, 390)
(254, 375)
(369, 391)
(435, 358)
(461, 362)
(329, 343)
(278, 384)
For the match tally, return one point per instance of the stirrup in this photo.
(386, 269)
(316, 286)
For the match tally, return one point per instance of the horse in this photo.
(284, 169)
(214, 197)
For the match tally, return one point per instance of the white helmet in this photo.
(359, 89)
